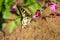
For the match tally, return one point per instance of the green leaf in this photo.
(28, 2)
(1, 1)
(6, 13)
(37, 6)
(54, 0)
(34, 7)
(17, 21)
(8, 2)
(0, 8)
(12, 26)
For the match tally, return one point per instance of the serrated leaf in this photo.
(12, 26)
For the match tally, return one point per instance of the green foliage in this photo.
(5, 7)
(17, 21)
(1, 1)
(54, 0)
(31, 4)
(28, 2)
(9, 2)
(12, 26)
(34, 7)
(6, 13)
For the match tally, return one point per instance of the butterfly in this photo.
(25, 17)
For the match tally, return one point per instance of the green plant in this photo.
(32, 5)
(5, 8)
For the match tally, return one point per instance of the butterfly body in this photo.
(25, 17)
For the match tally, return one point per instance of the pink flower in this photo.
(38, 13)
(33, 16)
(53, 6)
(14, 7)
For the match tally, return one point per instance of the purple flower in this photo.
(38, 14)
(33, 16)
(14, 8)
(53, 6)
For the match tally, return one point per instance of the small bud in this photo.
(33, 16)
(14, 8)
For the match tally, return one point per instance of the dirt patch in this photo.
(39, 30)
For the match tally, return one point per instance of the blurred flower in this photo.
(33, 16)
(38, 14)
(14, 8)
(53, 6)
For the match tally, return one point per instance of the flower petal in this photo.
(14, 7)
(33, 16)
(53, 6)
